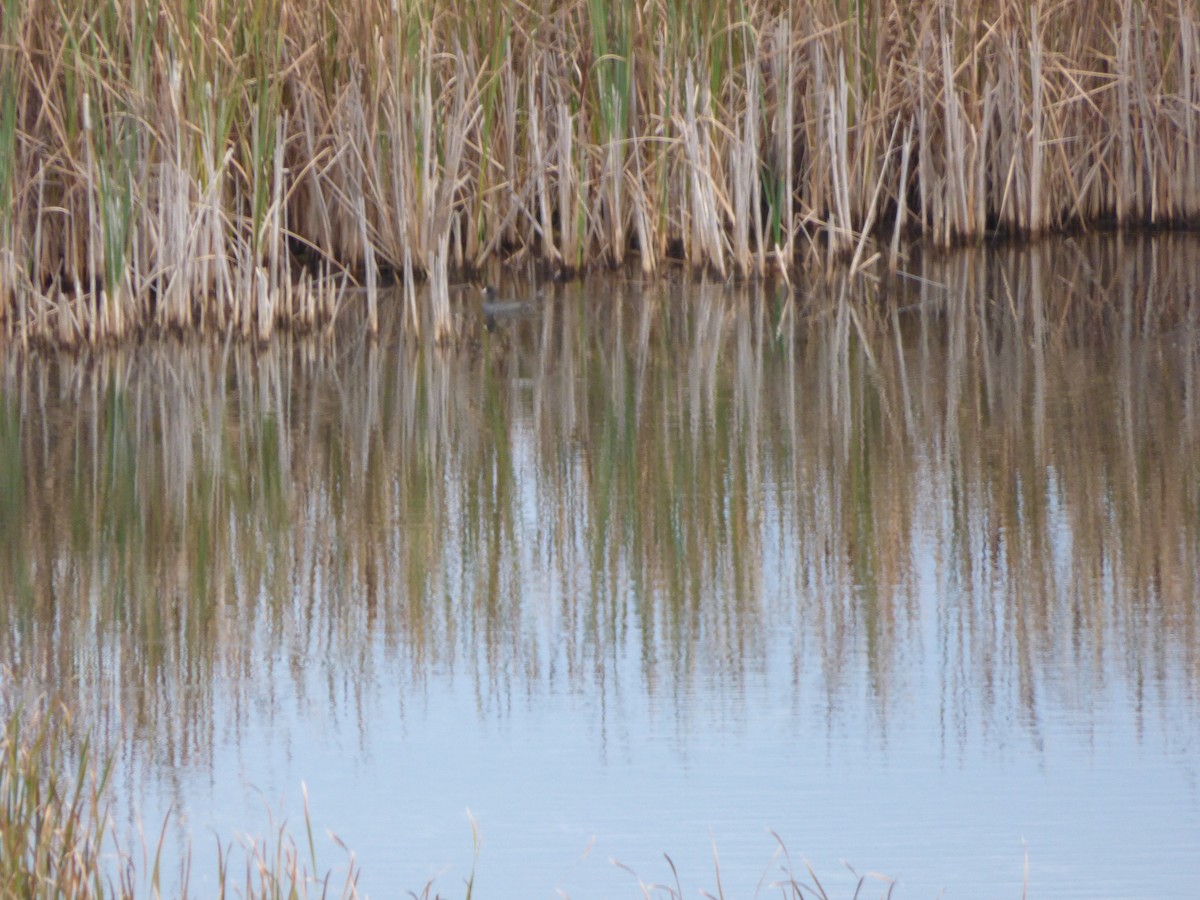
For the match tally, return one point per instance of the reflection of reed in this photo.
(1002, 453)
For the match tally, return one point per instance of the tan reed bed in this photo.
(206, 164)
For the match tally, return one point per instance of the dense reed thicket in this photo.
(185, 164)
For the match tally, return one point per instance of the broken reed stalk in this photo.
(190, 165)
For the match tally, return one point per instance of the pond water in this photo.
(897, 573)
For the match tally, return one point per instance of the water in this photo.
(897, 573)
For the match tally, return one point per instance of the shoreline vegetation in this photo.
(57, 838)
(199, 165)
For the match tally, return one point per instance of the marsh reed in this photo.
(57, 841)
(187, 165)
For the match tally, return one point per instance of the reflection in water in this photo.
(989, 471)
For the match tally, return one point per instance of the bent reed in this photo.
(186, 165)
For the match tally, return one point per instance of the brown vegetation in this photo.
(205, 164)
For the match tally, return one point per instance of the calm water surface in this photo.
(902, 574)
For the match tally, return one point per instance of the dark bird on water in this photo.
(495, 309)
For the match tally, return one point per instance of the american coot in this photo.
(494, 308)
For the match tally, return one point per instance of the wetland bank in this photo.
(903, 571)
(791, 521)
(197, 165)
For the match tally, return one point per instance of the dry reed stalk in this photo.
(706, 239)
(837, 101)
(743, 174)
(569, 199)
(642, 216)
(902, 196)
(787, 75)
(541, 181)
(1038, 214)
